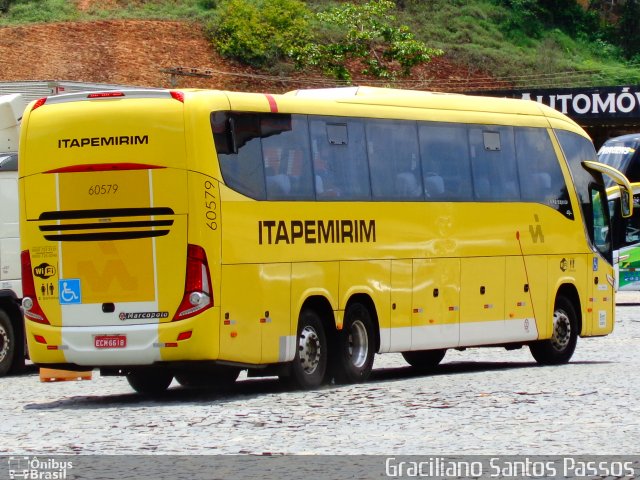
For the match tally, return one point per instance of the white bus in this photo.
(12, 342)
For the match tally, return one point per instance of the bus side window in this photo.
(446, 168)
(278, 183)
(341, 170)
(285, 151)
(493, 163)
(632, 224)
(392, 148)
(540, 175)
(241, 165)
(633, 169)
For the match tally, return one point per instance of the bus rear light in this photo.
(197, 284)
(184, 335)
(40, 339)
(38, 103)
(197, 298)
(30, 305)
(176, 95)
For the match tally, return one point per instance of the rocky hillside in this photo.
(135, 52)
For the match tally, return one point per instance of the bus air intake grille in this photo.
(106, 229)
(105, 213)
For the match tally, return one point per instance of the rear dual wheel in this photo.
(353, 359)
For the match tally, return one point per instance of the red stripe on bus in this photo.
(103, 167)
(272, 103)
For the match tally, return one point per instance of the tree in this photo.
(258, 32)
(367, 35)
(4, 5)
(629, 28)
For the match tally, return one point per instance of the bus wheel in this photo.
(310, 362)
(559, 348)
(356, 346)
(424, 359)
(149, 381)
(220, 377)
(7, 343)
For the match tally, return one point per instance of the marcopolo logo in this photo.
(34, 468)
(142, 315)
(44, 271)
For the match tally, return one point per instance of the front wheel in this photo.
(7, 343)
(560, 347)
(356, 346)
(149, 381)
(310, 362)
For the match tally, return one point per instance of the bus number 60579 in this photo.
(211, 205)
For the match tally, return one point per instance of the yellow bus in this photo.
(194, 234)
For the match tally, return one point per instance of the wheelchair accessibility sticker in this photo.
(69, 289)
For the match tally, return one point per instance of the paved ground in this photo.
(482, 401)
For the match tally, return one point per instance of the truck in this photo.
(12, 339)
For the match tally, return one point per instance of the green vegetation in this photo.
(525, 42)
(368, 36)
(533, 43)
(18, 12)
(23, 11)
(260, 32)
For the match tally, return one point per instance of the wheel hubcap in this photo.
(358, 344)
(4, 344)
(309, 349)
(561, 330)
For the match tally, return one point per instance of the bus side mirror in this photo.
(625, 202)
(626, 190)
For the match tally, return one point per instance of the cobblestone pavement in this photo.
(481, 401)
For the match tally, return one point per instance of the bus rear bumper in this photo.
(116, 345)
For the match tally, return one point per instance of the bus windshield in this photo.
(619, 153)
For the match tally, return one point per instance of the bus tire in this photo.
(218, 378)
(149, 381)
(8, 345)
(310, 362)
(424, 359)
(560, 347)
(353, 360)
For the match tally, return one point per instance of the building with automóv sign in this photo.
(604, 112)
